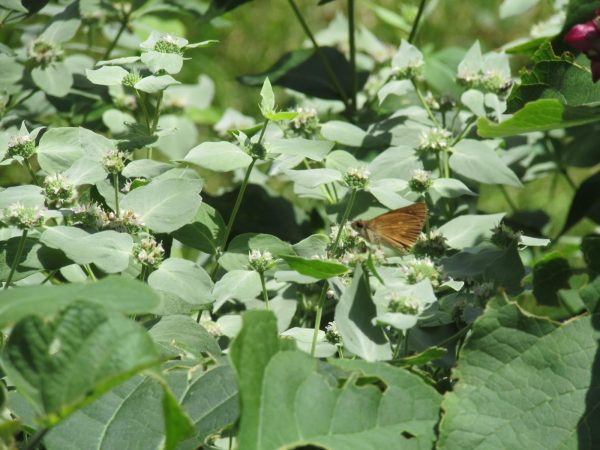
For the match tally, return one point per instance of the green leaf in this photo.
(153, 84)
(59, 148)
(165, 205)
(450, 188)
(178, 425)
(510, 8)
(590, 247)
(343, 133)
(156, 61)
(316, 268)
(108, 250)
(312, 178)
(549, 276)
(469, 230)
(279, 390)
(218, 156)
(354, 314)
(540, 115)
(107, 75)
(121, 294)
(91, 347)
(182, 280)
(585, 203)
(303, 71)
(54, 79)
(28, 195)
(63, 26)
(508, 373)
(210, 399)
(477, 161)
(178, 334)
(238, 285)
(205, 233)
(267, 102)
(306, 148)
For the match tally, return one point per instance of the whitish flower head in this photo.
(149, 252)
(261, 261)
(408, 62)
(332, 334)
(357, 178)
(404, 304)
(21, 145)
(434, 140)
(131, 79)
(113, 161)
(128, 221)
(306, 123)
(58, 191)
(88, 214)
(44, 52)
(432, 245)
(504, 237)
(23, 217)
(420, 181)
(348, 242)
(210, 325)
(422, 269)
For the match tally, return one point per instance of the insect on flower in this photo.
(399, 228)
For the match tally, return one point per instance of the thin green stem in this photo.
(31, 173)
(321, 302)
(90, 272)
(425, 105)
(116, 186)
(446, 164)
(321, 54)
(406, 343)
(324, 187)
(415, 25)
(115, 41)
(509, 200)
(144, 109)
(36, 439)
(49, 276)
(264, 289)
(551, 150)
(236, 206)
(17, 259)
(263, 131)
(352, 47)
(464, 131)
(156, 114)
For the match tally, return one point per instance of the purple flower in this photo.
(585, 37)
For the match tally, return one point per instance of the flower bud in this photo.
(148, 252)
(403, 304)
(305, 124)
(432, 245)
(332, 334)
(504, 237)
(261, 261)
(423, 269)
(113, 161)
(168, 44)
(421, 181)
(357, 178)
(131, 79)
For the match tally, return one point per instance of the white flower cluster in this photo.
(261, 261)
(306, 121)
(23, 217)
(44, 52)
(128, 221)
(20, 145)
(332, 334)
(149, 252)
(434, 140)
(113, 161)
(420, 181)
(422, 269)
(58, 191)
(403, 304)
(357, 178)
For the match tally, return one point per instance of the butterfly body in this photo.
(398, 229)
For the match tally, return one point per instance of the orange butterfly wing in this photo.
(401, 227)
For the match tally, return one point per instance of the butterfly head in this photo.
(360, 227)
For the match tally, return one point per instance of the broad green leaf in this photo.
(510, 8)
(178, 425)
(238, 285)
(218, 156)
(311, 178)
(108, 250)
(63, 26)
(314, 245)
(59, 148)
(171, 63)
(279, 390)
(550, 275)
(303, 338)
(513, 372)
(145, 168)
(153, 84)
(182, 280)
(133, 408)
(91, 347)
(121, 294)
(205, 233)
(343, 133)
(469, 230)
(354, 314)
(477, 161)
(54, 79)
(450, 188)
(306, 148)
(165, 205)
(178, 334)
(315, 268)
(10, 72)
(181, 136)
(28, 195)
(107, 75)
(236, 256)
(85, 171)
(540, 115)
(585, 203)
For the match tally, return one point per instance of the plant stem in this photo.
(18, 255)
(116, 186)
(328, 68)
(406, 343)
(114, 42)
(321, 302)
(509, 200)
(144, 109)
(464, 131)
(156, 113)
(415, 26)
(446, 164)
(551, 150)
(264, 289)
(90, 272)
(236, 206)
(31, 173)
(36, 439)
(425, 105)
(352, 47)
